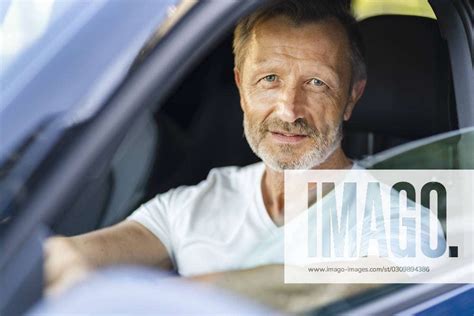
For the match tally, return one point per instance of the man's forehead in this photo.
(325, 40)
(325, 33)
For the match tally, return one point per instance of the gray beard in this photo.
(326, 146)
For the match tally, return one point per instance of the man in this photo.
(300, 71)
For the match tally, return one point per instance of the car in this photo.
(116, 101)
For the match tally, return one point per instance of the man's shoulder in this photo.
(230, 180)
(235, 174)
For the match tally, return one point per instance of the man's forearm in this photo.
(69, 259)
(125, 243)
(266, 285)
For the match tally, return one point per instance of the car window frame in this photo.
(81, 146)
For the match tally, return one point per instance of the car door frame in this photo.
(61, 172)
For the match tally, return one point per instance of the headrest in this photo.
(408, 92)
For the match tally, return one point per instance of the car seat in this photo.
(409, 90)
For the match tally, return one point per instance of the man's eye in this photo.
(270, 78)
(317, 82)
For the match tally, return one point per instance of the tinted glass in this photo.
(453, 151)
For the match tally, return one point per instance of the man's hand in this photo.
(64, 265)
(70, 259)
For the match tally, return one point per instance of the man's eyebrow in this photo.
(318, 68)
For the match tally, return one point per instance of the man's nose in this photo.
(290, 104)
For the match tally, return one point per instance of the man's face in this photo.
(295, 91)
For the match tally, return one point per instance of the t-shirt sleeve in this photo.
(154, 215)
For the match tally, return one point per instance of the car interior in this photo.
(409, 96)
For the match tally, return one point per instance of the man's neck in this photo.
(273, 184)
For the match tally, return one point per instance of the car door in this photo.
(55, 167)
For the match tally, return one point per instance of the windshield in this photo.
(60, 63)
(31, 29)
(25, 23)
(51, 44)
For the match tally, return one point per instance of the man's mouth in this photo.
(286, 137)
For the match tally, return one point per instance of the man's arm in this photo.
(265, 284)
(69, 259)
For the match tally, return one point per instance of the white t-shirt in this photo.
(215, 225)
(218, 225)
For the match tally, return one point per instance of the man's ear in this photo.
(238, 83)
(356, 92)
(237, 77)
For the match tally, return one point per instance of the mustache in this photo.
(300, 126)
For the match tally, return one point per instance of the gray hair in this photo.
(301, 12)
